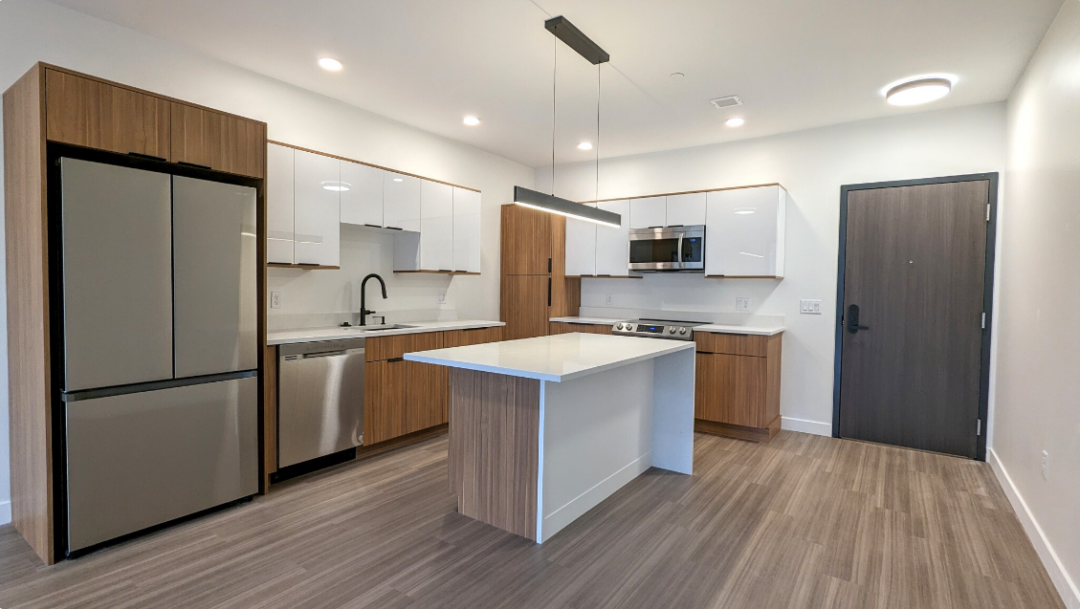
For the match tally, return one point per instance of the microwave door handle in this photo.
(681, 235)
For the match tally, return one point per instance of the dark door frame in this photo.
(988, 291)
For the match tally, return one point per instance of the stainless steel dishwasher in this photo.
(320, 399)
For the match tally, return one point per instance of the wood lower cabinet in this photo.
(737, 389)
(220, 141)
(426, 396)
(384, 400)
(88, 112)
(561, 327)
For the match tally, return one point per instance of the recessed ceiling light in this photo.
(471, 120)
(677, 74)
(921, 91)
(585, 146)
(734, 122)
(742, 211)
(330, 64)
(399, 179)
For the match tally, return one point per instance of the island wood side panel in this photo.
(495, 448)
(29, 401)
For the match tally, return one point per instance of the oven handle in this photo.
(681, 235)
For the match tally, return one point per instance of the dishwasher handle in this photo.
(326, 354)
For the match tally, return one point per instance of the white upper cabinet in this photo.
(686, 210)
(466, 230)
(362, 203)
(613, 244)
(648, 212)
(279, 204)
(745, 232)
(581, 247)
(318, 209)
(436, 226)
(401, 201)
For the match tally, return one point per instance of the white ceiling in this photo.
(795, 64)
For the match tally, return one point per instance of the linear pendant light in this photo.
(526, 197)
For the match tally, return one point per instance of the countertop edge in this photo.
(347, 334)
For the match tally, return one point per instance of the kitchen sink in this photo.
(381, 328)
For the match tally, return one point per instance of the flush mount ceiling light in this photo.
(330, 64)
(735, 122)
(471, 120)
(526, 197)
(919, 91)
(334, 186)
(399, 179)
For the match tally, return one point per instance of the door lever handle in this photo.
(852, 320)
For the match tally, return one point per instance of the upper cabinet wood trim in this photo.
(87, 112)
(348, 160)
(219, 141)
(685, 192)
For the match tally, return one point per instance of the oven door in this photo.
(668, 249)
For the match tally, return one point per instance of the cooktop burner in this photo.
(657, 328)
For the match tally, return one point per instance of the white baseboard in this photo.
(1070, 594)
(815, 427)
(558, 519)
(5, 512)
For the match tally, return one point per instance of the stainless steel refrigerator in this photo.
(159, 376)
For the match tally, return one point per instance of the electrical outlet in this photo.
(441, 297)
(742, 304)
(1045, 465)
(275, 300)
(810, 307)
(609, 299)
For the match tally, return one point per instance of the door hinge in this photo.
(978, 427)
(987, 212)
(984, 320)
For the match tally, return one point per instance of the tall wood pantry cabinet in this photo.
(534, 283)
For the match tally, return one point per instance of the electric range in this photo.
(657, 328)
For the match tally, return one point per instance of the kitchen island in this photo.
(544, 429)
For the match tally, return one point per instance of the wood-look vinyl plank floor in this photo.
(802, 522)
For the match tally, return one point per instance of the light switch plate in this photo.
(441, 298)
(810, 307)
(742, 304)
(275, 300)
(609, 299)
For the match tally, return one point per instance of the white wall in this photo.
(1038, 374)
(32, 31)
(812, 165)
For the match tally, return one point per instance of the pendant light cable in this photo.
(554, 99)
(597, 195)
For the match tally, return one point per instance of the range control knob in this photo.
(671, 330)
(629, 327)
(682, 330)
(618, 327)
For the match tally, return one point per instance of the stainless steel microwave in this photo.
(672, 248)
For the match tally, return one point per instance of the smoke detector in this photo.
(726, 102)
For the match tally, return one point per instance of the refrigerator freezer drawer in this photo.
(142, 459)
(215, 295)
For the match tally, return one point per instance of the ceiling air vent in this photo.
(726, 102)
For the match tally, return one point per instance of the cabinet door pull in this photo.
(195, 165)
(395, 228)
(395, 359)
(148, 157)
(549, 291)
(372, 225)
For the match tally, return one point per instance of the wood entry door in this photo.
(914, 284)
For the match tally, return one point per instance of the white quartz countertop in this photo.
(552, 358)
(309, 335)
(593, 321)
(757, 330)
